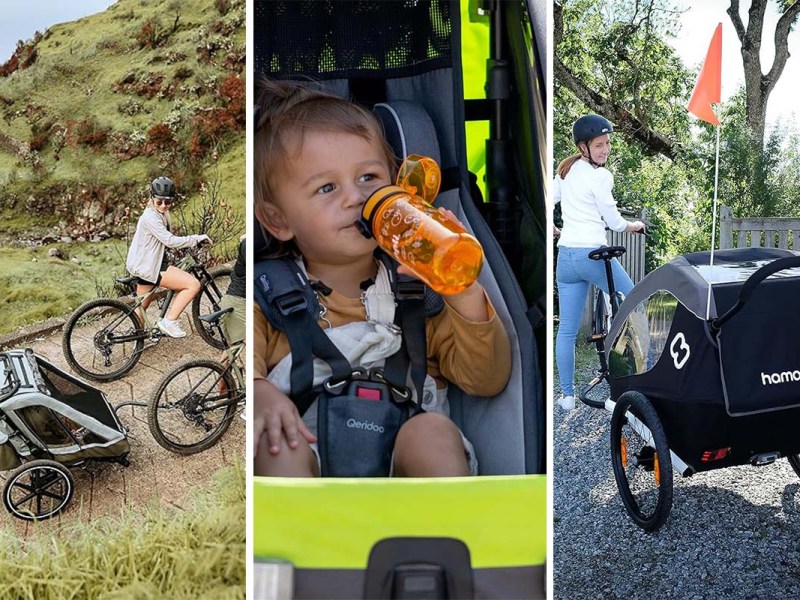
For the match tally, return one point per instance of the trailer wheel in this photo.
(38, 490)
(641, 459)
(794, 460)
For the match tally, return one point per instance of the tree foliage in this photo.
(613, 58)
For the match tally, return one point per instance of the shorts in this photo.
(164, 267)
(234, 322)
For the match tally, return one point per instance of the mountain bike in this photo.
(192, 406)
(105, 338)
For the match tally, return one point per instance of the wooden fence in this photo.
(775, 232)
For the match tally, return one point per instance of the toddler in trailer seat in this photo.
(318, 157)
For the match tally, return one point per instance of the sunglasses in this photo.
(162, 201)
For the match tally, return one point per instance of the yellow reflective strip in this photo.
(333, 523)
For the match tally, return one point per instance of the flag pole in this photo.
(713, 224)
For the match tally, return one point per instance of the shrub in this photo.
(182, 73)
(37, 142)
(160, 137)
(223, 6)
(148, 36)
(86, 132)
(24, 56)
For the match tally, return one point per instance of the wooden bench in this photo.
(755, 232)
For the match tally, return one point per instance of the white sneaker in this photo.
(567, 402)
(171, 328)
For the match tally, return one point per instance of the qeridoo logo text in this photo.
(365, 425)
(785, 377)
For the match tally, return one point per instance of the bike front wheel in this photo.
(192, 406)
(207, 302)
(103, 339)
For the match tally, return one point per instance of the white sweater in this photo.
(587, 206)
(149, 242)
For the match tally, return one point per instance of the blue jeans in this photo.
(574, 272)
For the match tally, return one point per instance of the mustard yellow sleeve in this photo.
(476, 356)
(259, 344)
(269, 345)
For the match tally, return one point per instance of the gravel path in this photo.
(732, 533)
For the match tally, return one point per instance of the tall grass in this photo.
(158, 553)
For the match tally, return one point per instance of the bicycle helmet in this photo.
(162, 187)
(589, 127)
(585, 129)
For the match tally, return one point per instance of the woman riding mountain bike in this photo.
(147, 256)
(584, 187)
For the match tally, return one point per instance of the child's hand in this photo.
(274, 414)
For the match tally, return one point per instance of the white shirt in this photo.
(587, 206)
(149, 242)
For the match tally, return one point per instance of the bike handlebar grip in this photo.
(787, 262)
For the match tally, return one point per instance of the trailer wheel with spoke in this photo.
(641, 459)
(38, 490)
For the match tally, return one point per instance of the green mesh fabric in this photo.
(343, 39)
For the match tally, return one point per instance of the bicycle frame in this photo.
(189, 264)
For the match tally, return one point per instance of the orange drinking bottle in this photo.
(433, 245)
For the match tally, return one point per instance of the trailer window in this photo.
(644, 335)
(44, 423)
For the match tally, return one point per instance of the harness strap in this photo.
(289, 303)
(410, 295)
(287, 300)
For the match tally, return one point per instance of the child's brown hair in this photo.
(289, 108)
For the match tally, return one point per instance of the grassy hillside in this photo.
(93, 109)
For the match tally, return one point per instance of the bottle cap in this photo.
(377, 198)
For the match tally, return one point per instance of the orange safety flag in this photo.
(707, 90)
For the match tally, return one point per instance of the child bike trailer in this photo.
(49, 421)
(404, 61)
(707, 377)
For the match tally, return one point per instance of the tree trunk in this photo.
(758, 86)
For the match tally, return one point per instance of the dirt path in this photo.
(155, 475)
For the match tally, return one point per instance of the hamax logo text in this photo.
(785, 377)
(366, 425)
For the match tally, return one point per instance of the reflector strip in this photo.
(333, 523)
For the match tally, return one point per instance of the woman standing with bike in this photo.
(147, 256)
(584, 186)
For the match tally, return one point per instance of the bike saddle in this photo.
(129, 282)
(216, 316)
(607, 252)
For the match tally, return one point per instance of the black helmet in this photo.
(589, 127)
(162, 187)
